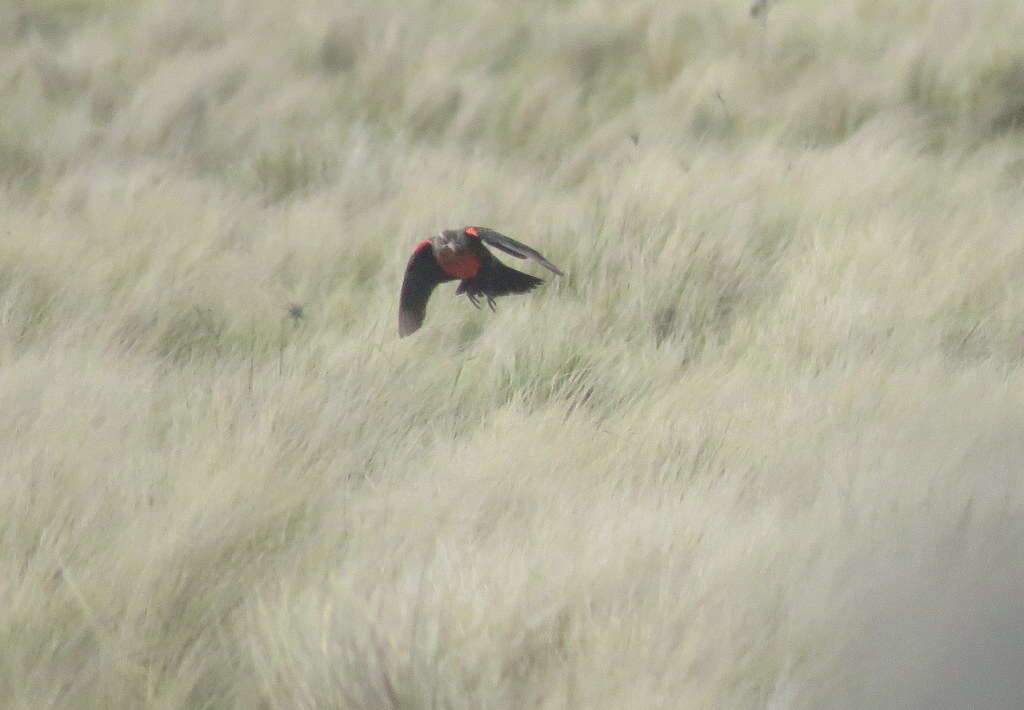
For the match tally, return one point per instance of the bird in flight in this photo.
(461, 254)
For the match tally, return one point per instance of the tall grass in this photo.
(759, 448)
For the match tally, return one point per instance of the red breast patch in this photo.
(461, 266)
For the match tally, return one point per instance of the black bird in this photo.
(461, 254)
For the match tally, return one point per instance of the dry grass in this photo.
(760, 448)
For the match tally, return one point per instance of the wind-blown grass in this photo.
(759, 448)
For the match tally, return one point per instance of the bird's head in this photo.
(453, 239)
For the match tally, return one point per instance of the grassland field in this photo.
(761, 447)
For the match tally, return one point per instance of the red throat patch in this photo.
(471, 231)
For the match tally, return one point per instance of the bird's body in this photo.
(461, 254)
(460, 262)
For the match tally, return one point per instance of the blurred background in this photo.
(761, 447)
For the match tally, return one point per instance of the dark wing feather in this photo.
(516, 249)
(496, 279)
(422, 275)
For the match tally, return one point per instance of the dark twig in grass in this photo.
(759, 10)
(294, 314)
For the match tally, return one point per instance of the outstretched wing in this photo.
(511, 246)
(422, 274)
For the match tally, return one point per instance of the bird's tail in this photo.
(499, 280)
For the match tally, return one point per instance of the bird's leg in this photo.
(490, 302)
(473, 299)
